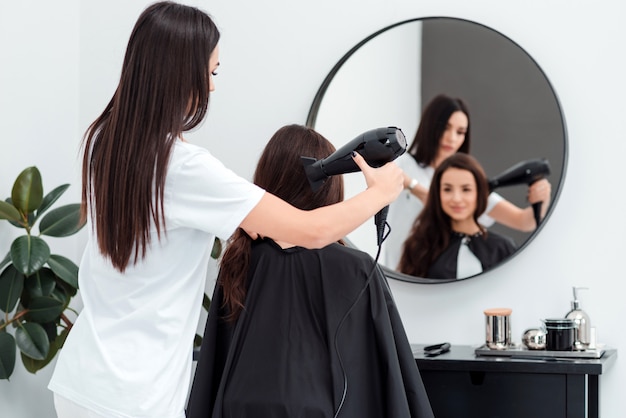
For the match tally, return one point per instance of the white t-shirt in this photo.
(404, 210)
(129, 353)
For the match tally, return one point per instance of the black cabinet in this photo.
(460, 384)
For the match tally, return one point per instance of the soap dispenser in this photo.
(581, 319)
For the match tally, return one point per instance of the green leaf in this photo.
(60, 339)
(11, 285)
(33, 365)
(65, 269)
(63, 291)
(50, 198)
(27, 192)
(206, 302)
(60, 293)
(7, 355)
(216, 251)
(30, 219)
(62, 222)
(29, 254)
(44, 309)
(8, 211)
(41, 283)
(32, 340)
(51, 331)
(6, 260)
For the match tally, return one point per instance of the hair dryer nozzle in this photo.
(377, 146)
(525, 172)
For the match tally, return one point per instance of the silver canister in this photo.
(498, 328)
(534, 339)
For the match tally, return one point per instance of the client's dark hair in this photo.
(430, 234)
(281, 173)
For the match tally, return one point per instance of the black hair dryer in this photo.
(525, 172)
(377, 146)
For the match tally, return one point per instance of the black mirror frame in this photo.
(317, 101)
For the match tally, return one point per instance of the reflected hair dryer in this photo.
(524, 172)
(377, 146)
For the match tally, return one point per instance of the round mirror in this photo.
(388, 78)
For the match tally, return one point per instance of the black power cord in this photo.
(381, 223)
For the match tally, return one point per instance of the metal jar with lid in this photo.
(498, 328)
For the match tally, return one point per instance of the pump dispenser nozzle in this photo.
(581, 319)
(575, 302)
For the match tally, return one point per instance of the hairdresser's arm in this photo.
(417, 190)
(506, 213)
(272, 217)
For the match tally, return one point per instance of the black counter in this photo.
(461, 384)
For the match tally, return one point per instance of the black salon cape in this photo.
(288, 351)
(490, 250)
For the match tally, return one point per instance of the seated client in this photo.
(293, 332)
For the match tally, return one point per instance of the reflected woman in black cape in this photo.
(293, 332)
(446, 240)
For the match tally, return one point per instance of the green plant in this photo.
(216, 251)
(35, 286)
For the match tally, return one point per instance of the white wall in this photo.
(59, 64)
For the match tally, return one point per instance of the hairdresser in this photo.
(154, 203)
(444, 129)
(293, 332)
(446, 240)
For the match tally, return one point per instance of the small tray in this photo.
(523, 352)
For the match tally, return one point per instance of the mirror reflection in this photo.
(490, 100)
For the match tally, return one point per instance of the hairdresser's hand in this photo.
(387, 179)
(539, 191)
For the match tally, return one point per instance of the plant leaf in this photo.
(8, 211)
(63, 291)
(41, 283)
(27, 192)
(60, 293)
(60, 339)
(216, 251)
(65, 269)
(6, 260)
(44, 309)
(50, 198)
(62, 221)
(33, 365)
(7, 355)
(32, 340)
(11, 285)
(206, 302)
(29, 254)
(30, 219)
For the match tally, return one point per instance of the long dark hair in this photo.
(281, 173)
(431, 231)
(432, 125)
(163, 91)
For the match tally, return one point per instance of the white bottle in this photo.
(583, 325)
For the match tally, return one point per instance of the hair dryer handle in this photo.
(537, 212)
(380, 219)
